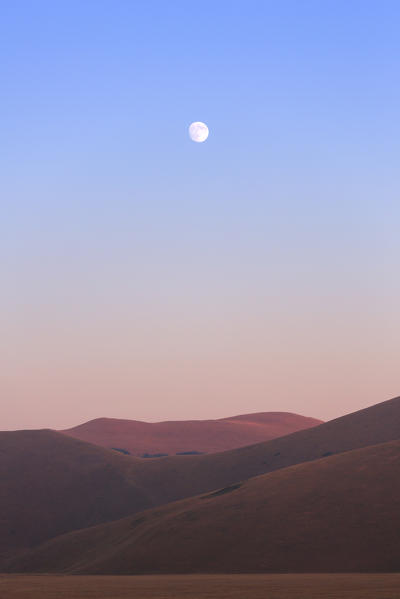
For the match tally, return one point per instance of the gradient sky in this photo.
(146, 276)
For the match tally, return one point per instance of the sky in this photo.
(146, 276)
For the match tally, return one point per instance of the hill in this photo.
(189, 436)
(338, 514)
(173, 478)
(50, 484)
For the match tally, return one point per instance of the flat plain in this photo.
(196, 586)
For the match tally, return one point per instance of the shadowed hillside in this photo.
(50, 484)
(204, 436)
(339, 514)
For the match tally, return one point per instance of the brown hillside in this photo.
(204, 436)
(339, 514)
(50, 484)
(177, 477)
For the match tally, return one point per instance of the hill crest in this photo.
(173, 437)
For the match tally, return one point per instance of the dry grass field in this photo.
(239, 586)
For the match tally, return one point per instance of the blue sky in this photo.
(290, 208)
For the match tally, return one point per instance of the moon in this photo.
(198, 131)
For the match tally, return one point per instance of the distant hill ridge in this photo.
(183, 436)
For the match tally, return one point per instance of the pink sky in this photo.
(206, 352)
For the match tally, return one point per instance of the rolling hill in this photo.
(173, 478)
(51, 483)
(189, 436)
(339, 514)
